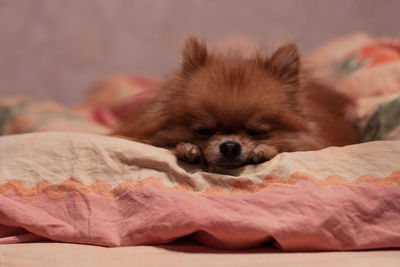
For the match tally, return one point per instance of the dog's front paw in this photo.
(189, 153)
(262, 153)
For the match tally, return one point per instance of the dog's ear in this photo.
(194, 55)
(284, 63)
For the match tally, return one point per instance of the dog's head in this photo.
(226, 104)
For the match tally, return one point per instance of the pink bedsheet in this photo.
(99, 190)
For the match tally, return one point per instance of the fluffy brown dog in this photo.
(227, 110)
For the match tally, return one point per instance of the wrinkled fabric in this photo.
(99, 190)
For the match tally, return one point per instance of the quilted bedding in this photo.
(93, 189)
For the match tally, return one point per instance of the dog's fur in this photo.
(227, 111)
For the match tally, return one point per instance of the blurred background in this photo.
(57, 49)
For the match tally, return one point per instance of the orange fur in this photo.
(227, 110)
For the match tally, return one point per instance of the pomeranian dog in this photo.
(226, 110)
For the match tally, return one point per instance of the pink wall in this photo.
(57, 49)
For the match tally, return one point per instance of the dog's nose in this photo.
(230, 149)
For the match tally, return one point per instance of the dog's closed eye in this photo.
(257, 133)
(204, 132)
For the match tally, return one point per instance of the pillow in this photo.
(359, 65)
(24, 115)
(367, 70)
(384, 122)
(99, 190)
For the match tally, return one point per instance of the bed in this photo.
(92, 199)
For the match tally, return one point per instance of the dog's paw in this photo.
(262, 153)
(189, 153)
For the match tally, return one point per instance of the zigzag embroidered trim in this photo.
(240, 186)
